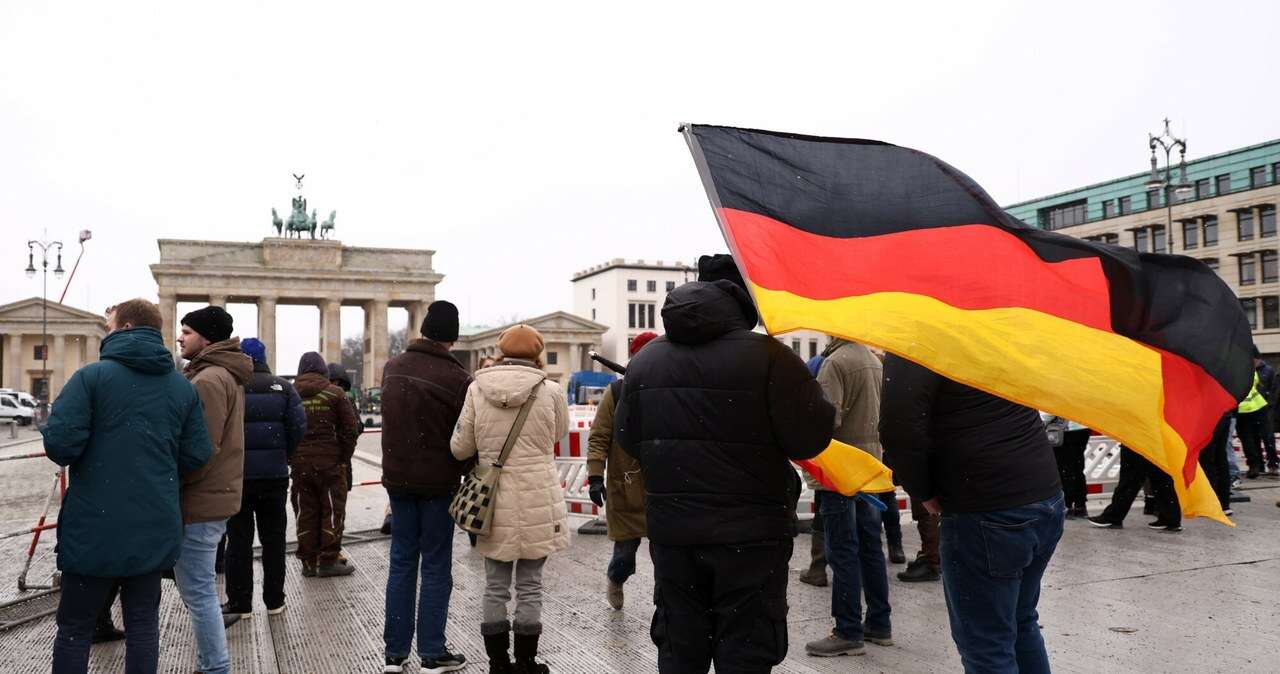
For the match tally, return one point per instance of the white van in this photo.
(10, 408)
(25, 399)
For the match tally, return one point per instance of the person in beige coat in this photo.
(530, 520)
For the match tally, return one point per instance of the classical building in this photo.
(1226, 218)
(320, 273)
(73, 339)
(568, 340)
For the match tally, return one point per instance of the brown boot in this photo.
(816, 574)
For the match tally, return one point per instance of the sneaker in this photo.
(277, 610)
(919, 571)
(1235, 484)
(445, 662)
(896, 554)
(1229, 512)
(1252, 474)
(340, 567)
(814, 577)
(1161, 526)
(1078, 511)
(614, 595)
(833, 645)
(1104, 523)
(385, 529)
(229, 619)
(878, 638)
(242, 611)
(394, 665)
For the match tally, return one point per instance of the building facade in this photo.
(73, 339)
(567, 340)
(1227, 219)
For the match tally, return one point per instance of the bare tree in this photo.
(353, 358)
(398, 342)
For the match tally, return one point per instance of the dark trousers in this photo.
(262, 501)
(721, 603)
(622, 565)
(992, 563)
(1213, 459)
(1134, 470)
(1070, 458)
(320, 506)
(891, 517)
(927, 525)
(857, 564)
(1256, 435)
(79, 606)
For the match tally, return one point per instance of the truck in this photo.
(587, 387)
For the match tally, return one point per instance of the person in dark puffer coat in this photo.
(274, 423)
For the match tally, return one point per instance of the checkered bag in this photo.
(472, 506)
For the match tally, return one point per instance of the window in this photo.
(1270, 313)
(1210, 231)
(1211, 262)
(631, 285)
(1223, 184)
(1248, 269)
(651, 286)
(1267, 222)
(1270, 270)
(1257, 176)
(593, 293)
(593, 314)
(1063, 215)
(1124, 204)
(1108, 208)
(795, 346)
(641, 315)
(631, 314)
(1275, 172)
(1250, 307)
(38, 353)
(1190, 234)
(1202, 188)
(1244, 225)
(1140, 241)
(1153, 199)
(671, 285)
(1158, 239)
(813, 348)
(552, 358)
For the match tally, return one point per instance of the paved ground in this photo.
(1132, 600)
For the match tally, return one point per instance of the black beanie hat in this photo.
(441, 323)
(720, 267)
(213, 323)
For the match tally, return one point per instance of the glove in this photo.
(596, 487)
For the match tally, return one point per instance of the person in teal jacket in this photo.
(126, 427)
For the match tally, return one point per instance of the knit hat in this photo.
(441, 323)
(255, 349)
(339, 375)
(720, 267)
(213, 323)
(639, 341)
(520, 341)
(312, 362)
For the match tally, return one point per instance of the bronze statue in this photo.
(277, 222)
(327, 226)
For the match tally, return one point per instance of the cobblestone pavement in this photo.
(1130, 600)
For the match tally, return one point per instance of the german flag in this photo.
(892, 247)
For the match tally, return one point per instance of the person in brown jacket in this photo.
(614, 476)
(210, 495)
(318, 469)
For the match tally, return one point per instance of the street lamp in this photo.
(1164, 179)
(45, 247)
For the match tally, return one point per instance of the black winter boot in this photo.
(497, 636)
(526, 648)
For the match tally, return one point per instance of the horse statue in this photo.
(311, 224)
(298, 220)
(277, 222)
(327, 225)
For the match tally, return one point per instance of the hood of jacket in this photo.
(227, 355)
(140, 349)
(310, 384)
(508, 384)
(698, 312)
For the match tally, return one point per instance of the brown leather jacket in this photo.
(332, 425)
(219, 373)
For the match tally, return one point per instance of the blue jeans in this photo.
(851, 530)
(992, 563)
(622, 565)
(421, 531)
(891, 517)
(1233, 468)
(198, 586)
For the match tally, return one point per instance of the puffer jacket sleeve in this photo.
(463, 442)
(295, 421)
(194, 447)
(66, 435)
(801, 416)
(601, 438)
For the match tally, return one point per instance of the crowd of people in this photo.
(692, 449)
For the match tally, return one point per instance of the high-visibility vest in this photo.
(1255, 401)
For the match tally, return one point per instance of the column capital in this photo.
(218, 301)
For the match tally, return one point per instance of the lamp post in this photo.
(45, 247)
(1164, 180)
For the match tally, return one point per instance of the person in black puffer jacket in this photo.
(713, 412)
(274, 423)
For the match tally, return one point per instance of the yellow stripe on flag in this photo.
(849, 470)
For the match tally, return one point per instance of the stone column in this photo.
(267, 328)
(331, 330)
(218, 301)
(92, 343)
(417, 313)
(13, 362)
(169, 324)
(57, 365)
(375, 341)
(575, 357)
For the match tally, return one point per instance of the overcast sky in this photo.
(526, 141)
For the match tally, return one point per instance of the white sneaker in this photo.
(277, 610)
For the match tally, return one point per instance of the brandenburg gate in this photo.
(297, 271)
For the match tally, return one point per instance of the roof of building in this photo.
(619, 263)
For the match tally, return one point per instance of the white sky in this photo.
(526, 141)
